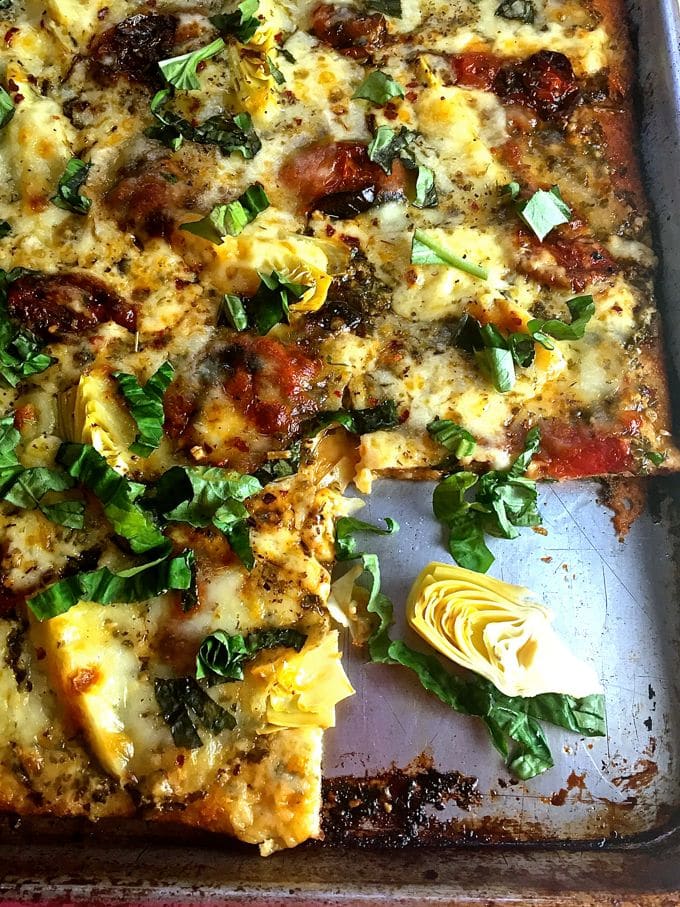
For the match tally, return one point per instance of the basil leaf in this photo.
(390, 7)
(378, 88)
(68, 197)
(511, 191)
(271, 304)
(544, 211)
(229, 133)
(232, 520)
(20, 350)
(70, 514)
(457, 440)
(184, 705)
(32, 484)
(230, 219)
(234, 312)
(512, 721)
(146, 406)
(280, 467)
(425, 251)
(522, 10)
(386, 145)
(181, 72)
(499, 365)
(346, 526)
(426, 191)
(5, 228)
(7, 109)
(221, 657)
(137, 584)
(358, 421)
(275, 72)
(242, 24)
(581, 309)
(116, 495)
(504, 500)
(655, 457)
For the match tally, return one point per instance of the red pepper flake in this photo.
(390, 112)
(330, 230)
(103, 13)
(403, 416)
(12, 85)
(10, 35)
(411, 96)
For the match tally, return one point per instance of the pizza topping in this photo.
(184, 705)
(221, 657)
(387, 146)
(520, 10)
(55, 304)
(181, 72)
(346, 30)
(242, 23)
(497, 631)
(426, 251)
(105, 587)
(346, 547)
(68, 197)
(146, 197)
(476, 69)
(545, 81)
(504, 500)
(328, 169)
(581, 260)
(543, 211)
(578, 451)
(232, 218)
(456, 439)
(378, 88)
(146, 406)
(134, 47)
(6, 108)
(20, 350)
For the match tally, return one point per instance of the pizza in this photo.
(252, 253)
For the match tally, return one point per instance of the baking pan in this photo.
(602, 826)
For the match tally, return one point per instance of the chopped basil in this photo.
(346, 544)
(358, 421)
(181, 72)
(208, 495)
(68, 195)
(275, 72)
(426, 251)
(522, 10)
(457, 440)
(286, 54)
(390, 7)
(544, 211)
(511, 721)
(137, 584)
(20, 350)
(234, 312)
(221, 657)
(184, 704)
(5, 228)
(271, 303)
(282, 466)
(378, 88)
(504, 500)
(655, 457)
(242, 23)
(146, 406)
(26, 487)
(232, 218)
(116, 495)
(229, 133)
(387, 145)
(7, 108)
(581, 309)
(510, 191)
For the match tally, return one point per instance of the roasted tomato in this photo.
(55, 304)
(578, 451)
(322, 172)
(133, 48)
(581, 259)
(545, 82)
(476, 70)
(146, 197)
(346, 30)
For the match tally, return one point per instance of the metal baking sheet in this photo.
(602, 826)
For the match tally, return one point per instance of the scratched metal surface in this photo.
(616, 602)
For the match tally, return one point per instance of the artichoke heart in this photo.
(100, 420)
(306, 686)
(494, 629)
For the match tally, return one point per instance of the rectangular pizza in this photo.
(252, 253)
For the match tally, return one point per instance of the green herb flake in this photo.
(357, 421)
(7, 109)
(544, 211)
(389, 7)
(581, 309)
(234, 312)
(221, 657)
(346, 546)
(181, 72)
(232, 218)
(521, 10)
(426, 251)
(378, 88)
(5, 228)
(242, 23)
(146, 406)
(137, 584)
(68, 195)
(271, 303)
(456, 439)
(185, 706)
(387, 145)
(275, 72)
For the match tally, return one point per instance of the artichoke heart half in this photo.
(304, 687)
(495, 630)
